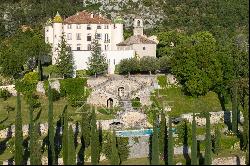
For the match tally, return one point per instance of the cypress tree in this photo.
(155, 145)
(208, 148)
(71, 148)
(36, 149)
(162, 135)
(31, 135)
(170, 143)
(114, 154)
(234, 110)
(194, 160)
(94, 141)
(65, 136)
(217, 145)
(18, 133)
(51, 149)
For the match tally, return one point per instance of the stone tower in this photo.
(138, 26)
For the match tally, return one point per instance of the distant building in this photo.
(80, 29)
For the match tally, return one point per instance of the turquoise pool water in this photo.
(134, 133)
(137, 133)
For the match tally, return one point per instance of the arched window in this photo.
(138, 23)
(110, 103)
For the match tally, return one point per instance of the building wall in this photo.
(150, 49)
(113, 58)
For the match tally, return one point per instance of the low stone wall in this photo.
(10, 88)
(229, 161)
(215, 117)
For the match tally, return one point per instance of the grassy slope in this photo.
(181, 103)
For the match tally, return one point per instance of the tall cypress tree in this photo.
(170, 143)
(114, 155)
(234, 109)
(155, 145)
(65, 136)
(36, 149)
(208, 148)
(71, 148)
(94, 141)
(18, 133)
(217, 144)
(31, 135)
(162, 136)
(194, 160)
(51, 149)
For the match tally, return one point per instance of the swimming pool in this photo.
(137, 133)
(134, 133)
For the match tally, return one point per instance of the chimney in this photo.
(100, 14)
(92, 15)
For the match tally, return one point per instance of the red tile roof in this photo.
(137, 39)
(85, 18)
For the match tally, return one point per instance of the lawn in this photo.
(58, 106)
(180, 103)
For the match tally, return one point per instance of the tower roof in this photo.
(87, 18)
(57, 18)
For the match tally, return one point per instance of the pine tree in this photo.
(65, 136)
(194, 160)
(18, 133)
(217, 145)
(65, 61)
(114, 154)
(51, 149)
(170, 143)
(155, 145)
(71, 147)
(208, 147)
(162, 135)
(97, 62)
(94, 141)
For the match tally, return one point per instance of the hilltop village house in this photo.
(80, 29)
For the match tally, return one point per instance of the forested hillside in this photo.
(223, 18)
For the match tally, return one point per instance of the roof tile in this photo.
(137, 39)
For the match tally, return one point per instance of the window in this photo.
(78, 26)
(47, 39)
(106, 47)
(98, 36)
(89, 46)
(78, 48)
(114, 61)
(106, 27)
(99, 27)
(69, 26)
(69, 36)
(70, 47)
(106, 37)
(89, 37)
(144, 48)
(138, 23)
(88, 27)
(78, 36)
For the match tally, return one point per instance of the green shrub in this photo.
(75, 90)
(82, 73)
(136, 103)
(27, 85)
(162, 81)
(5, 94)
(55, 94)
